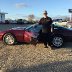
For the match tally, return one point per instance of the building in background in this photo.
(2, 17)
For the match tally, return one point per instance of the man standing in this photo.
(46, 23)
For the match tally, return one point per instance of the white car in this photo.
(69, 24)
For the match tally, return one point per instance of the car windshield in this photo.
(34, 28)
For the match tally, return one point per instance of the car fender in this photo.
(53, 35)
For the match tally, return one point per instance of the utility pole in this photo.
(70, 16)
(70, 11)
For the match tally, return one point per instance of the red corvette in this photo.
(19, 34)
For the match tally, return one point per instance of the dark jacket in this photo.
(46, 24)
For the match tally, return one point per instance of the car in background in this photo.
(69, 24)
(27, 34)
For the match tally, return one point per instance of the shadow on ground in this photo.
(60, 66)
(65, 45)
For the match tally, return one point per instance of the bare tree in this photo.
(66, 19)
(31, 17)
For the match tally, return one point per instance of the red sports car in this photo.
(19, 34)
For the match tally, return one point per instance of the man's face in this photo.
(45, 14)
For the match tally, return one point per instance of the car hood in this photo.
(18, 28)
(57, 27)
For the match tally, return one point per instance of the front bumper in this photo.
(1, 35)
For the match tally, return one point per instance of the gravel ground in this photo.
(28, 58)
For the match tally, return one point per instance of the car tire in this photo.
(57, 41)
(9, 39)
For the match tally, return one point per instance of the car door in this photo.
(67, 33)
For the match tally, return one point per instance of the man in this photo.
(46, 23)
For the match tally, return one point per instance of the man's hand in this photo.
(51, 29)
(42, 21)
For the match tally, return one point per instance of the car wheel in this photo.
(57, 41)
(9, 39)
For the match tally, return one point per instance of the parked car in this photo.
(26, 34)
(18, 34)
(69, 24)
(59, 35)
(7, 22)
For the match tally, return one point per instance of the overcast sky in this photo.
(22, 8)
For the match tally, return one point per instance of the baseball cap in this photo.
(45, 12)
